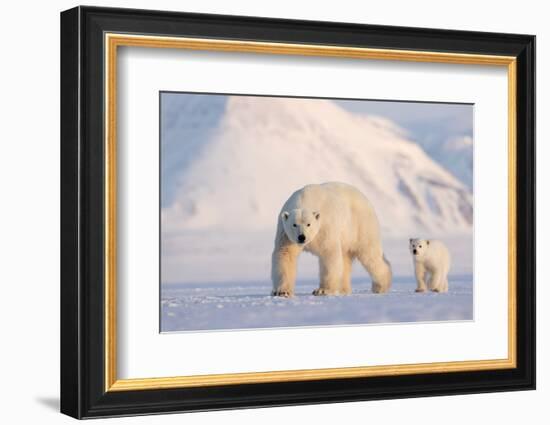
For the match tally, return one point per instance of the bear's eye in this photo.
(309, 224)
(419, 246)
(294, 224)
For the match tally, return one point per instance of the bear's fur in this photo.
(335, 222)
(432, 261)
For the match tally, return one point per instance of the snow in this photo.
(219, 306)
(223, 289)
(246, 256)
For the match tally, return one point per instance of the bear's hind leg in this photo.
(436, 281)
(379, 270)
(346, 275)
(331, 268)
(430, 280)
(444, 284)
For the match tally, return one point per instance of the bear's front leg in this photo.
(283, 270)
(420, 273)
(331, 269)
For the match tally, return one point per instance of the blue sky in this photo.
(424, 122)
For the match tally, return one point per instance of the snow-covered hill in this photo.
(231, 162)
(443, 130)
(456, 155)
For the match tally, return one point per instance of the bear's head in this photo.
(301, 225)
(418, 247)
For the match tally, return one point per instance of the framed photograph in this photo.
(261, 212)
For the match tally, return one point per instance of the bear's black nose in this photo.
(414, 251)
(301, 238)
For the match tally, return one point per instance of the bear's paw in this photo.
(281, 293)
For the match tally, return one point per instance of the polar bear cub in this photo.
(335, 222)
(432, 261)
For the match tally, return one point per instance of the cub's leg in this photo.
(445, 281)
(436, 281)
(445, 286)
(420, 274)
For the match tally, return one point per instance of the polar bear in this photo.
(335, 222)
(431, 257)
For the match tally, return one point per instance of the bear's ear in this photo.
(285, 215)
(317, 215)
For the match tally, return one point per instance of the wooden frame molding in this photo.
(113, 41)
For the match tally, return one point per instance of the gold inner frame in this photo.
(113, 41)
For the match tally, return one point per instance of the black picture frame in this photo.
(83, 392)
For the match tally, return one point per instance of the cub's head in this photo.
(301, 225)
(418, 247)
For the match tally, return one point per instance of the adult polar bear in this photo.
(337, 223)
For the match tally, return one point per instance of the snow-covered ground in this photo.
(217, 306)
(226, 286)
